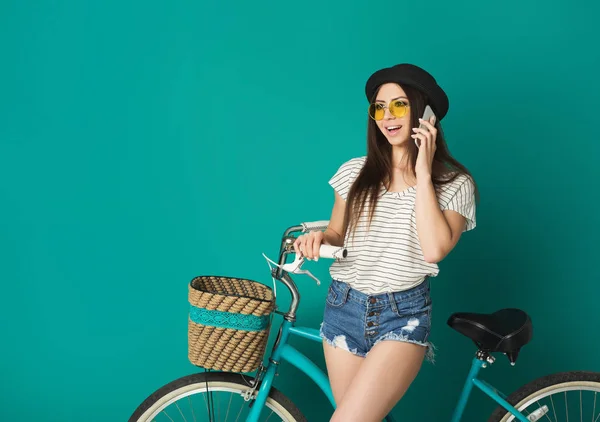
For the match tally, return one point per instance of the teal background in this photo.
(145, 143)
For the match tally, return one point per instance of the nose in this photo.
(388, 114)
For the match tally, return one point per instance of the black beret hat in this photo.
(409, 74)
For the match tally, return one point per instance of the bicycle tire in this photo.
(180, 386)
(543, 385)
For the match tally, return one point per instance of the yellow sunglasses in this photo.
(398, 108)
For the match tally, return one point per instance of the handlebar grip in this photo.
(314, 225)
(332, 252)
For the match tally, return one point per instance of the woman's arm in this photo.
(308, 245)
(438, 231)
(332, 235)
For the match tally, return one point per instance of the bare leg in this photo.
(381, 381)
(342, 366)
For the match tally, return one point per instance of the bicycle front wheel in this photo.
(214, 397)
(565, 396)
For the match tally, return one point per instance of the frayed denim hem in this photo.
(340, 342)
(429, 355)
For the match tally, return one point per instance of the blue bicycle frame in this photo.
(488, 389)
(284, 351)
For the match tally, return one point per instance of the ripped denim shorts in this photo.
(355, 321)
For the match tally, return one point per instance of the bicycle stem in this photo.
(290, 315)
(282, 270)
(284, 277)
(286, 242)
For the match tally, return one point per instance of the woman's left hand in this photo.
(426, 137)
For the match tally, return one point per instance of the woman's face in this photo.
(396, 129)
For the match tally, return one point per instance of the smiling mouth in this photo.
(392, 130)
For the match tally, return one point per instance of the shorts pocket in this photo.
(413, 306)
(337, 294)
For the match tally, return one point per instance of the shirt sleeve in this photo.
(344, 177)
(460, 197)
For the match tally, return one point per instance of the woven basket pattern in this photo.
(227, 349)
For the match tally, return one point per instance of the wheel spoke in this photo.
(207, 401)
(566, 406)
(537, 398)
(239, 413)
(545, 414)
(165, 412)
(269, 417)
(553, 410)
(179, 403)
(228, 407)
(218, 409)
(210, 407)
(180, 412)
(192, 407)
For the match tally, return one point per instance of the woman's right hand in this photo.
(308, 245)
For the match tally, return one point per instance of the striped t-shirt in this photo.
(388, 257)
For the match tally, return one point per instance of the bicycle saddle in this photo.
(505, 331)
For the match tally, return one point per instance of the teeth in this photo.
(393, 127)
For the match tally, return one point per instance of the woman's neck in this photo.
(399, 154)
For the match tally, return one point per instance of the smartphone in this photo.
(426, 116)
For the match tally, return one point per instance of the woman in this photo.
(402, 208)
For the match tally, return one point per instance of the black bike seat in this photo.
(506, 330)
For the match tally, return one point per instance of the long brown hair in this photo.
(377, 170)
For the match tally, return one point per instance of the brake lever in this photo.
(308, 273)
(294, 268)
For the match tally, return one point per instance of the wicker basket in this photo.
(228, 323)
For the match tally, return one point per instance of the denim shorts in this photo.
(355, 321)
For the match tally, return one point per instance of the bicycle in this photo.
(505, 331)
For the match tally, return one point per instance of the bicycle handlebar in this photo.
(333, 252)
(314, 225)
(325, 251)
(282, 271)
